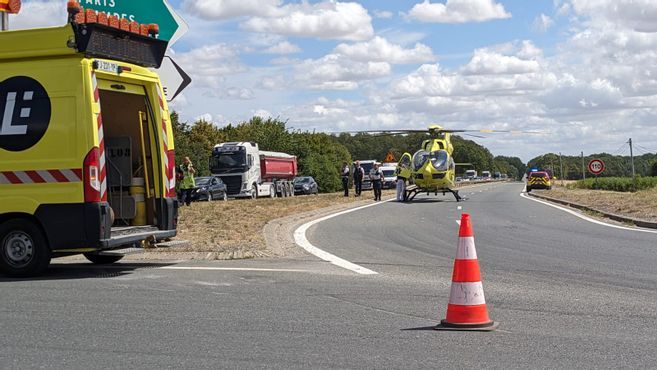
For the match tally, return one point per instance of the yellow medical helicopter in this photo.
(432, 168)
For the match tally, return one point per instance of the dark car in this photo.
(208, 189)
(305, 185)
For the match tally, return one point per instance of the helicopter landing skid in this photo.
(413, 190)
(456, 195)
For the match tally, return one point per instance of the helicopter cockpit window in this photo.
(419, 159)
(439, 160)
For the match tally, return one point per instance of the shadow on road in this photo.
(76, 271)
(427, 200)
(423, 328)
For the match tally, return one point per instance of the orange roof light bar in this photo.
(10, 6)
(78, 15)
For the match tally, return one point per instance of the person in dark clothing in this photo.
(345, 178)
(359, 176)
(376, 175)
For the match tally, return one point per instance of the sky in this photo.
(583, 72)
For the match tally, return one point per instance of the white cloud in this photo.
(335, 72)
(284, 47)
(224, 9)
(273, 83)
(383, 14)
(458, 11)
(638, 15)
(542, 23)
(262, 113)
(207, 117)
(324, 20)
(239, 93)
(486, 62)
(379, 49)
(208, 65)
(37, 13)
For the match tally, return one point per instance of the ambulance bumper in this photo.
(69, 227)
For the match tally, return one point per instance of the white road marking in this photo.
(227, 269)
(586, 218)
(459, 208)
(302, 241)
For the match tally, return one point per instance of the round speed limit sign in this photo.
(596, 166)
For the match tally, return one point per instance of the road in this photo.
(567, 293)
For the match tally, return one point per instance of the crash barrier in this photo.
(466, 309)
(138, 193)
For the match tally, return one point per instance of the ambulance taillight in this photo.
(91, 172)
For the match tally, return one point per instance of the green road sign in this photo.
(143, 11)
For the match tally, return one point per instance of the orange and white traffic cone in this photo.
(467, 306)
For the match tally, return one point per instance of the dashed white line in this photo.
(302, 241)
(586, 218)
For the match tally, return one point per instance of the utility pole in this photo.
(632, 159)
(5, 21)
(583, 168)
(561, 168)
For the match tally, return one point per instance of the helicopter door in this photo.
(404, 166)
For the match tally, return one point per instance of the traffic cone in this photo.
(467, 306)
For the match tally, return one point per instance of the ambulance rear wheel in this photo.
(23, 249)
(102, 260)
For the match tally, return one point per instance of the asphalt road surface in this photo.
(567, 293)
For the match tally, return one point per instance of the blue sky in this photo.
(583, 70)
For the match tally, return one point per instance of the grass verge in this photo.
(640, 205)
(233, 229)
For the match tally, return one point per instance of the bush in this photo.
(621, 184)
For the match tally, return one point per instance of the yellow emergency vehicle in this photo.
(86, 145)
(538, 180)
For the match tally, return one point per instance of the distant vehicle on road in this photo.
(538, 180)
(485, 175)
(471, 175)
(389, 176)
(209, 188)
(305, 185)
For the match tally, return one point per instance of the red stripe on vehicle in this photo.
(58, 175)
(12, 178)
(35, 177)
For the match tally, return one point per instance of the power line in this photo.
(648, 151)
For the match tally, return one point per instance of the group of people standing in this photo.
(375, 175)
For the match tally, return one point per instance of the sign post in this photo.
(596, 166)
(172, 26)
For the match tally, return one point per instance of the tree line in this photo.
(574, 167)
(318, 155)
(321, 155)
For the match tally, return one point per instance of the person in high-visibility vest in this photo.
(188, 183)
